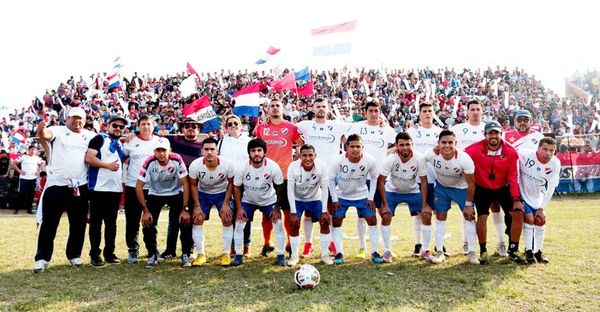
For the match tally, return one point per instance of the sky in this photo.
(43, 43)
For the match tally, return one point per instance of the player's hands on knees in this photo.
(276, 215)
(197, 216)
(540, 217)
(384, 210)
(241, 215)
(184, 217)
(469, 213)
(325, 218)
(294, 219)
(334, 206)
(518, 205)
(371, 205)
(146, 219)
(226, 213)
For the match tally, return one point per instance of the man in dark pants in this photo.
(28, 174)
(105, 180)
(4, 180)
(66, 188)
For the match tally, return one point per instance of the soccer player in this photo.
(425, 138)
(352, 171)
(539, 173)
(496, 179)
(66, 188)
(211, 181)
(257, 177)
(406, 174)
(280, 135)
(376, 140)
(522, 137)
(165, 174)
(105, 179)
(308, 191)
(455, 182)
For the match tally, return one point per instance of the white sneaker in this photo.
(473, 258)
(292, 261)
(40, 266)
(327, 260)
(76, 262)
(502, 251)
(440, 257)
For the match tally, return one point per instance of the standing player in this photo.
(455, 182)
(257, 177)
(425, 139)
(539, 173)
(279, 135)
(211, 181)
(308, 191)
(522, 137)
(376, 140)
(406, 174)
(352, 172)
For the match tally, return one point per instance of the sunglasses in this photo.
(233, 123)
(116, 126)
(193, 126)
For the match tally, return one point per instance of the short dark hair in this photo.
(353, 137)
(258, 142)
(320, 100)
(210, 140)
(307, 147)
(548, 140)
(422, 105)
(473, 102)
(446, 132)
(144, 117)
(373, 103)
(403, 136)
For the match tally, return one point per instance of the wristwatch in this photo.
(186, 208)
(469, 203)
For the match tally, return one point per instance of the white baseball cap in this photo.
(163, 143)
(76, 111)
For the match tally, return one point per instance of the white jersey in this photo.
(375, 138)
(451, 173)
(138, 151)
(258, 182)
(404, 178)
(234, 149)
(212, 181)
(325, 137)
(467, 134)
(352, 178)
(537, 181)
(67, 156)
(163, 180)
(424, 140)
(102, 179)
(30, 166)
(307, 186)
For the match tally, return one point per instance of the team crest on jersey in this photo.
(221, 175)
(534, 141)
(413, 168)
(330, 127)
(266, 175)
(361, 168)
(313, 176)
(548, 170)
(170, 169)
(380, 132)
(284, 131)
(457, 170)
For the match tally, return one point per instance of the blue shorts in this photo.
(208, 200)
(415, 204)
(377, 198)
(361, 208)
(250, 208)
(430, 195)
(529, 209)
(444, 195)
(315, 208)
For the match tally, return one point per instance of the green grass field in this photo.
(570, 282)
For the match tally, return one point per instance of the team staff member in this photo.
(496, 179)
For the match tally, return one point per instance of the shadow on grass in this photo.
(408, 283)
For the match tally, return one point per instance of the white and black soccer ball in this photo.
(307, 277)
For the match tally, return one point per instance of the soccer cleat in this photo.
(332, 248)
(417, 252)
(97, 262)
(246, 251)
(388, 256)
(224, 260)
(280, 260)
(327, 260)
(152, 261)
(266, 250)
(186, 262)
(426, 255)
(529, 257)
(166, 256)
(501, 249)
(307, 250)
(339, 259)
(465, 248)
(112, 259)
(483, 258)
(376, 258)
(292, 261)
(540, 258)
(516, 258)
(76, 262)
(132, 257)
(237, 261)
(200, 260)
(362, 254)
(40, 266)
(473, 258)
(440, 256)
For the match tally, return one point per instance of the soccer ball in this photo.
(307, 277)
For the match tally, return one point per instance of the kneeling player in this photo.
(538, 177)
(211, 180)
(404, 171)
(307, 191)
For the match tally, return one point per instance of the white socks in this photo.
(238, 237)
(440, 231)
(361, 228)
(307, 225)
(227, 237)
(499, 224)
(198, 237)
(336, 234)
(426, 230)
(538, 238)
(528, 236)
(470, 233)
(417, 228)
(294, 242)
(374, 237)
(464, 226)
(385, 233)
(279, 237)
(325, 239)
